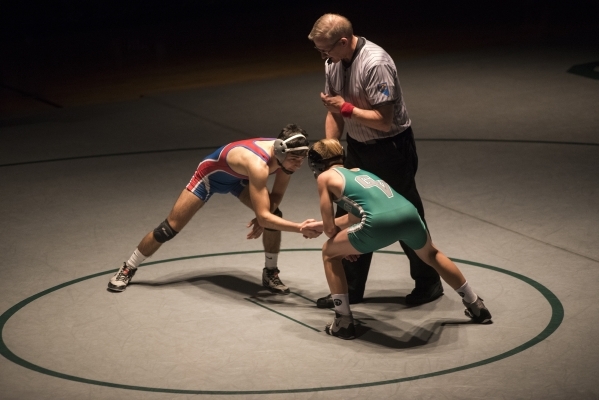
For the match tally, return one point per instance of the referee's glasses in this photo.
(326, 52)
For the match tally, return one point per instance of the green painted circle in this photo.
(557, 316)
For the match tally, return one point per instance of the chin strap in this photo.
(285, 170)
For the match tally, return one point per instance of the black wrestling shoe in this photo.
(121, 279)
(342, 327)
(271, 281)
(425, 295)
(477, 311)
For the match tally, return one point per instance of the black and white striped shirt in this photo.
(370, 80)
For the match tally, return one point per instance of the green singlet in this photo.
(385, 216)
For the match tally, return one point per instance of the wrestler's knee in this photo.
(164, 232)
(328, 252)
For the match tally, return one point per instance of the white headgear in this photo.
(281, 149)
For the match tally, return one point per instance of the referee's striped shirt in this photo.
(368, 81)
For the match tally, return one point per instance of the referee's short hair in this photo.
(331, 26)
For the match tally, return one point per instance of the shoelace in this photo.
(477, 306)
(274, 277)
(122, 276)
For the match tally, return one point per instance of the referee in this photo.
(363, 98)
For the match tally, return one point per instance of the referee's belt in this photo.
(378, 141)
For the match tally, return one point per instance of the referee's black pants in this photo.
(395, 161)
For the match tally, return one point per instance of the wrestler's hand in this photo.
(256, 229)
(352, 257)
(310, 233)
(311, 228)
(312, 224)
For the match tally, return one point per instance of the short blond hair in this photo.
(331, 26)
(328, 148)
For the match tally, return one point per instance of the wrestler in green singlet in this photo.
(386, 216)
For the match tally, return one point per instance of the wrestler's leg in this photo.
(442, 264)
(271, 240)
(333, 251)
(184, 209)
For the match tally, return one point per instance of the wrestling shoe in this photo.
(424, 295)
(121, 279)
(271, 281)
(477, 311)
(342, 327)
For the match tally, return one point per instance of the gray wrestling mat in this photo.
(509, 161)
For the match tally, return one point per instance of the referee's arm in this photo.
(380, 118)
(333, 126)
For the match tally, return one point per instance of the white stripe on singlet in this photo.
(363, 84)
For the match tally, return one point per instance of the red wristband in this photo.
(347, 109)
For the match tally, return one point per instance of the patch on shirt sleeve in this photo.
(383, 88)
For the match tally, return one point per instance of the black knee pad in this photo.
(164, 232)
(279, 214)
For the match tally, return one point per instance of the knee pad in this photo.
(164, 232)
(279, 214)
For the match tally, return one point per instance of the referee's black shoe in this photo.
(425, 295)
(327, 301)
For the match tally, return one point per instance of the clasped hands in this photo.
(308, 228)
(317, 226)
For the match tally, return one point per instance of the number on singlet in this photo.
(367, 182)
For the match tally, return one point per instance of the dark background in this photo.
(52, 49)
(227, 23)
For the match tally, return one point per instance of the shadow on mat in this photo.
(382, 334)
(369, 329)
(232, 283)
(378, 332)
